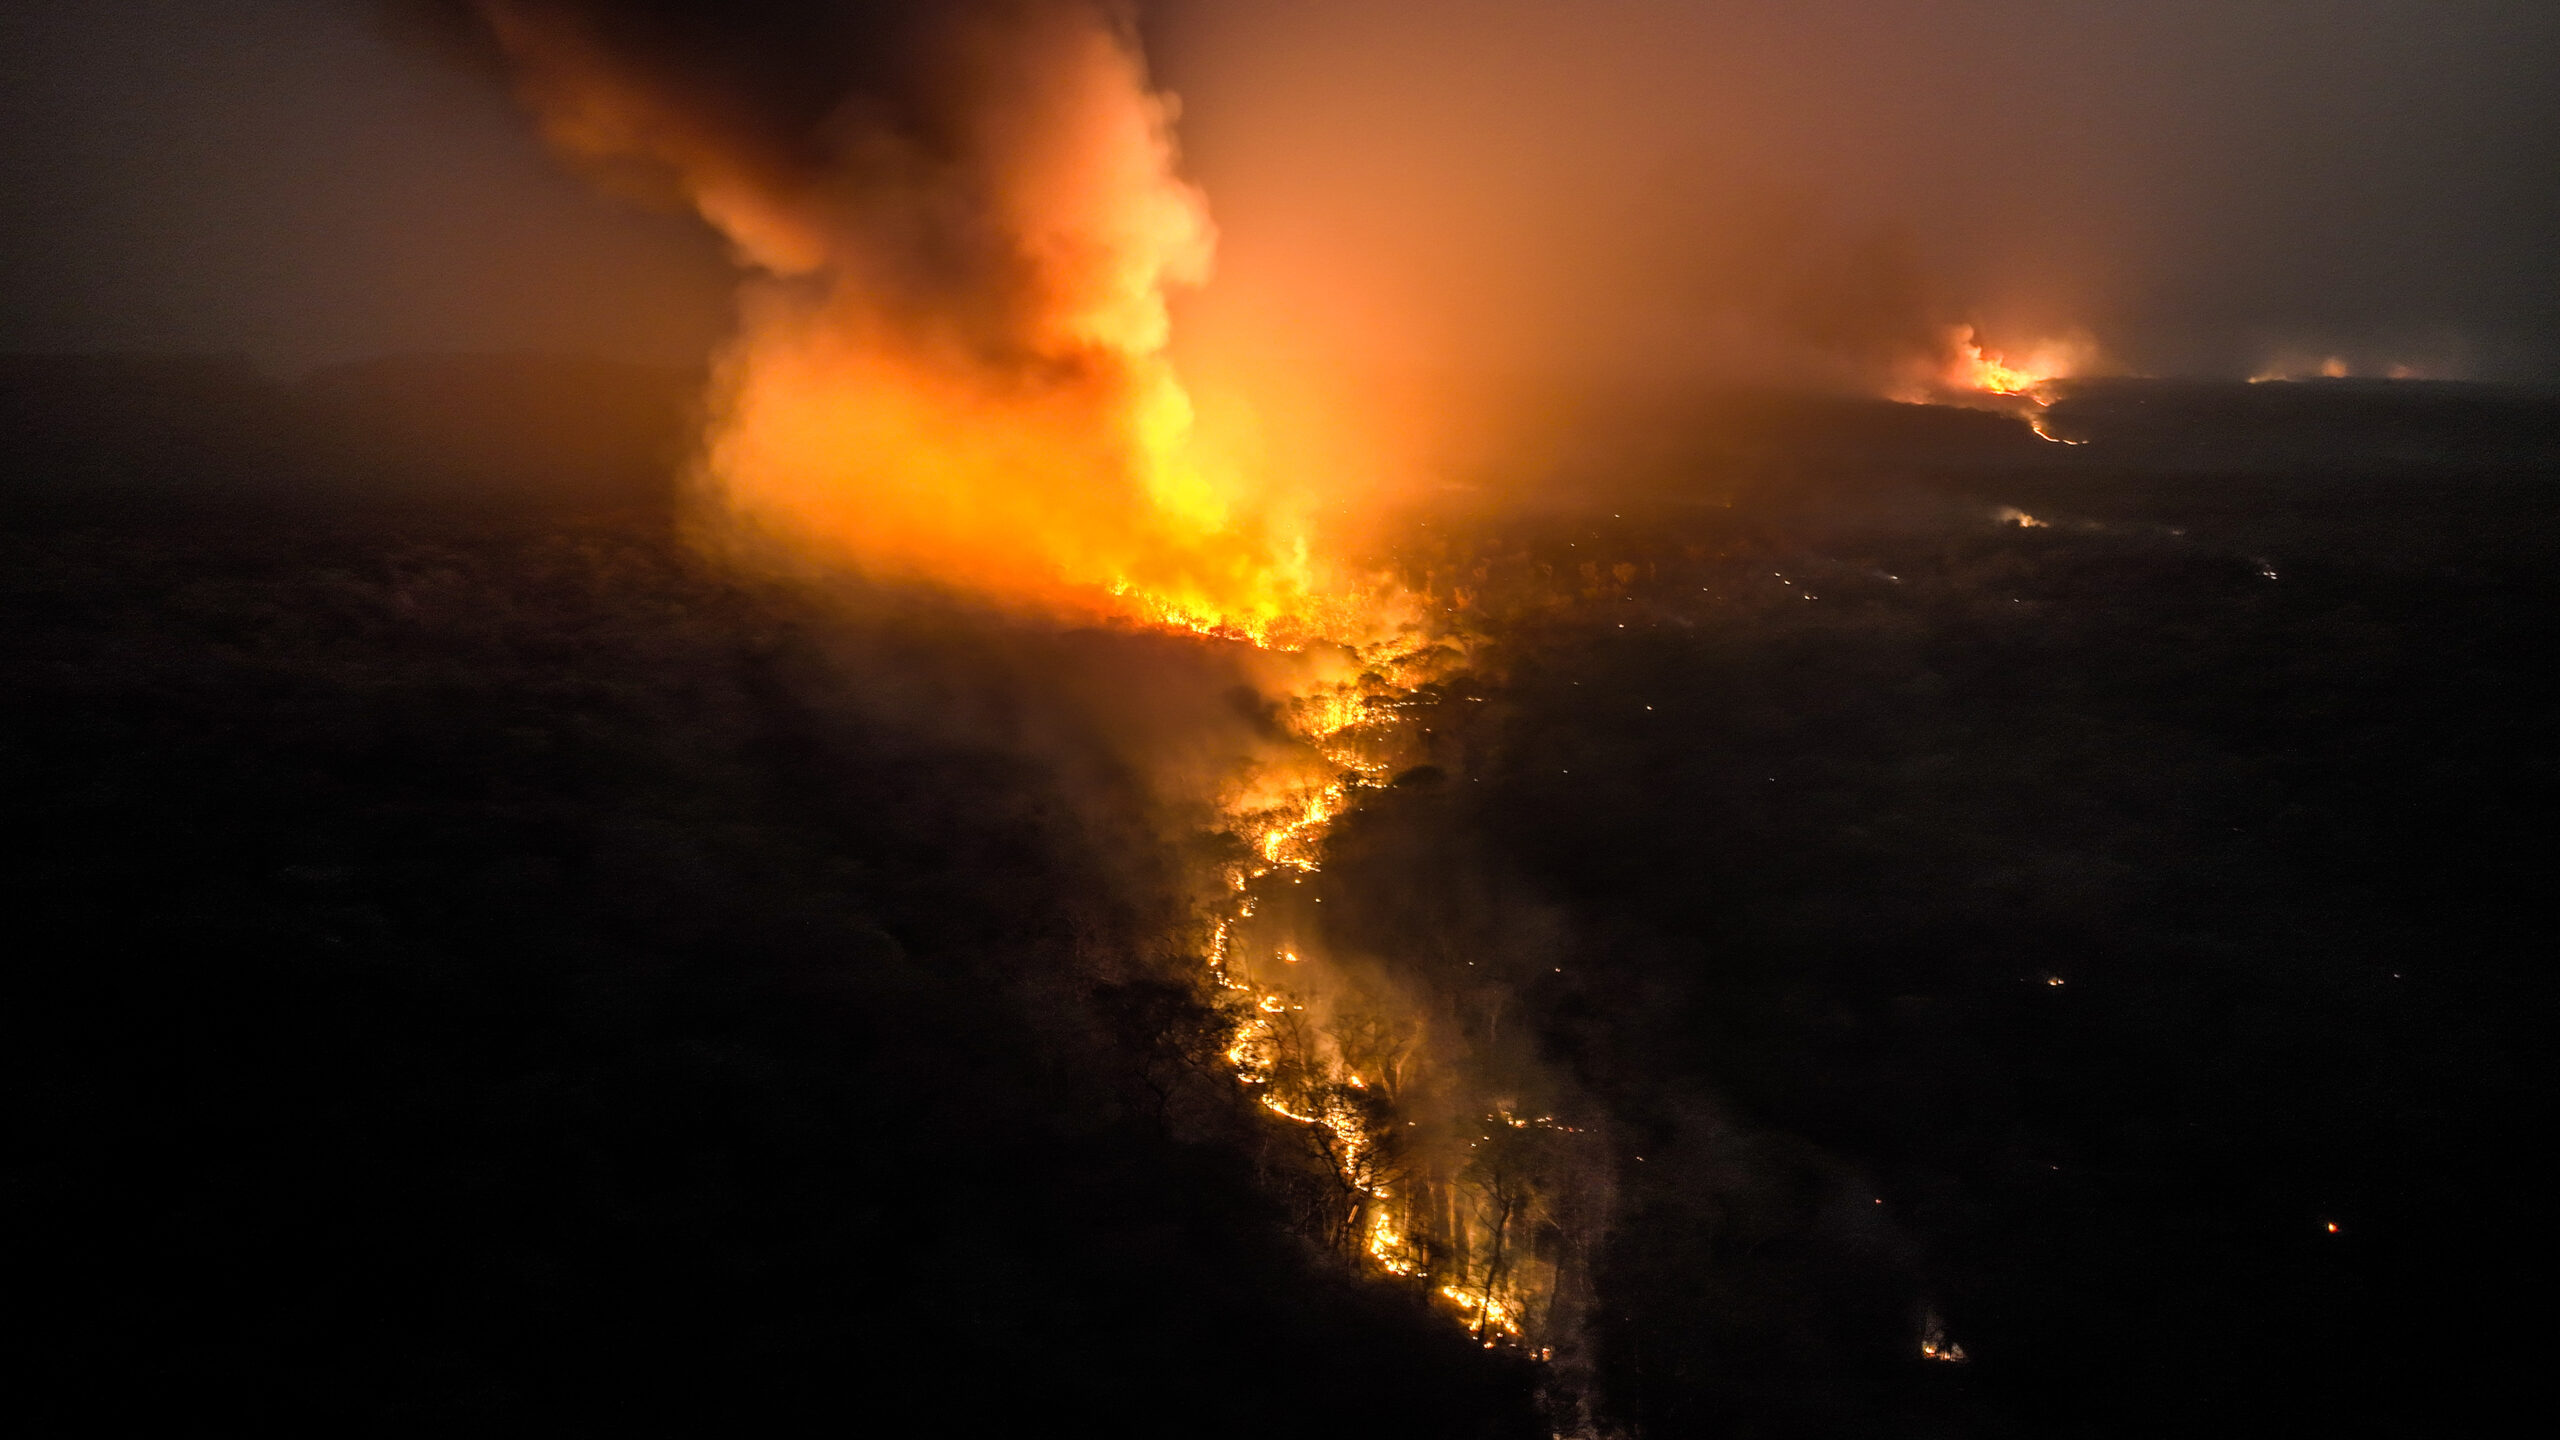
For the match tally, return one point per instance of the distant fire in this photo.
(2293, 367)
(1970, 367)
(1968, 373)
(1965, 366)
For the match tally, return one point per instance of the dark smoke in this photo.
(863, 115)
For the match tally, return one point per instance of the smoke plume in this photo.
(958, 227)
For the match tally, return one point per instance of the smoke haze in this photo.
(959, 228)
(2208, 189)
(1829, 878)
(1640, 188)
(290, 181)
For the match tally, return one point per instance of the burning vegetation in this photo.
(495, 961)
(960, 227)
(1402, 923)
(1970, 369)
(1414, 1164)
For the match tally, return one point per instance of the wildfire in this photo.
(952, 358)
(1968, 373)
(1387, 1246)
(1453, 1227)
(1492, 1311)
(1290, 842)
(1934, 1344)
(1965, 371)
(953, 366)
(1970, 367)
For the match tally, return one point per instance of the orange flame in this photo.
(1969, 366)
(952, 360)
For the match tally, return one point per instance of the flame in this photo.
(1299, 1070)
(952, 361)
(953, 365)
(1494, 1312)
(1387, 1246)
(1972, 368)
(1063, 492)
(1967, 373)
(1072, 473)
(1967, 366)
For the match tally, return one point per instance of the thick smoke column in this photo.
(960, 224)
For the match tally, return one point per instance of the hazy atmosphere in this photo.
(1504, 721)
(2209, 189)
